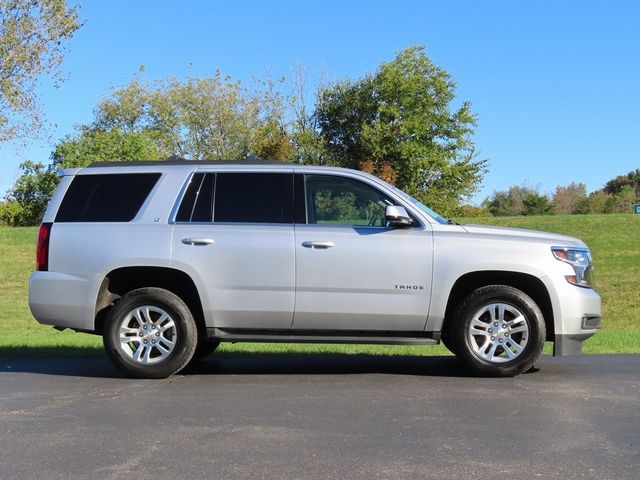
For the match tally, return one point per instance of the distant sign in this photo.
(636, 208)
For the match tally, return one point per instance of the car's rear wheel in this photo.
(150, 333)
(498, 331)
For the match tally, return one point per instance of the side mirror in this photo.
(397, 216)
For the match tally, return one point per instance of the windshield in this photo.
(436, 216)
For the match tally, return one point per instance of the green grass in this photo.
(615, 245)
(614, 240)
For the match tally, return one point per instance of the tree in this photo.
(601, 202)
(398, 123)
(10, 213)
(401, 121)
(93, 145)
(618, 195)
(271, 141)
(32, 43)
(518, 200)
(536, 203)
(625, 199)
(616, 185)
(507, 203)
(571, 199)
(26, 202)
(308, 145)
(199, 118)
(211, 118)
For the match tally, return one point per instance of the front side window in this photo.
(344, 201)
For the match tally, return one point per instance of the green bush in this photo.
(11, 213)
(518, 200)
(27, 200)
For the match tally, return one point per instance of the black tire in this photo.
(174, 341)
(495, 361)
(205, 347)
(446, 341)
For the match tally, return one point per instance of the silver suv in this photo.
(166, 260)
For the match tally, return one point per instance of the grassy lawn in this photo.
(615, 245)
(614, 240)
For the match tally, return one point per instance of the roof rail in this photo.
(175, 160)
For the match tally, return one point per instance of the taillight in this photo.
(42, 250)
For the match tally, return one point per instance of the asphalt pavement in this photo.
(320, 416)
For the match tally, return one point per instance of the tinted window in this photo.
(344, 201)
(106, 198)
(254, 197)
(197, 203)
(300, 214)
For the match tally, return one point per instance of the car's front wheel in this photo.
(150, 333)
(498, 331)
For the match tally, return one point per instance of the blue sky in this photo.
(555, 84)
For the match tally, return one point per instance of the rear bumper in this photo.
(63, 300)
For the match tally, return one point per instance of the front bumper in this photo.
(579, 319)
(565, 345)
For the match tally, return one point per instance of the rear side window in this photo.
(106, 198)
(238, 198)
(253, 198)
(197, 203)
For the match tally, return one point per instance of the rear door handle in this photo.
(198, 241)
(320, 245)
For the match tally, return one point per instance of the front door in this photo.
(352, 271)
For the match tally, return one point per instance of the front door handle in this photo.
(198, 241)
(320, 245)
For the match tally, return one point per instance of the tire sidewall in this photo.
(186, 333)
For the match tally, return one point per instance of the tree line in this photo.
(618, 195)
(402, 122)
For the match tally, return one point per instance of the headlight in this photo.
(580, 259)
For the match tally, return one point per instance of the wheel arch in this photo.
(125, 279)
(527, 283)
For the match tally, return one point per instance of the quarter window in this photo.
(106, 197)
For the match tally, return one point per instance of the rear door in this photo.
(234, 232)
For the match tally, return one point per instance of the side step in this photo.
(319, 336)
